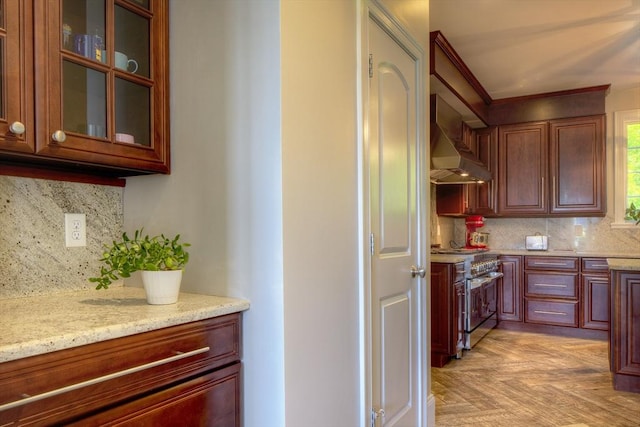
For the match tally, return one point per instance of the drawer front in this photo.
(551, 263)
(595, 265)
(561, 313)
(551, 285)
(90, 377)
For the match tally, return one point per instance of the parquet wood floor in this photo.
(521, 379)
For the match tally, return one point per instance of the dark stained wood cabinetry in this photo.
(625, 324)
(551, 290)
(473, 199)
(447, 312)
(522, 169)
(510, 288)
(577, 152)
(188, 373)
(553, 168)
(84, 111)
(595, 294)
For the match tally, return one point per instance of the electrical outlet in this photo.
(75, 230)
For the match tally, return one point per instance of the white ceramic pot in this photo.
(162, 287)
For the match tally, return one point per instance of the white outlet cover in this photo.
(75, 230)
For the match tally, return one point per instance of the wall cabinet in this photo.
(98, 88)
(624, 344)
(447, 312)
(510, 288)
(522, 169)
(181, 375)
(473, 199)
(552, 168)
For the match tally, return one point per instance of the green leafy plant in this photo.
(632, 213)
(140, 253)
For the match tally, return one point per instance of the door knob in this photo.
(417, 271)
(17, 128)
(59, 136)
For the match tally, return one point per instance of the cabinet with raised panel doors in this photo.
(447, 312)
(595, 294)
(88, 86)
(552, 168)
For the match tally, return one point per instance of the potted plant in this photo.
(632, 213)
(160, 259)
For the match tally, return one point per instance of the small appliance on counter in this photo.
(476, 239)
(536, 242)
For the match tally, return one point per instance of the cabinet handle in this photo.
(97, 380)
(559, 313)
(17, 128)
(59, 136)
(549, 285)
(548, 263)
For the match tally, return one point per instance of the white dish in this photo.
(125, 137)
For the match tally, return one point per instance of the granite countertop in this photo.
(42, 324)
(624, 264)
(556, 252)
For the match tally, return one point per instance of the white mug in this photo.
(122, 62)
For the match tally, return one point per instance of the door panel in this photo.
(393, 186)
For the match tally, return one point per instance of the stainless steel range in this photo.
(481, 291)
(481, 296)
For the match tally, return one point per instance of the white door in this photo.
(396, 310)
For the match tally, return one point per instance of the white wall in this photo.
(224, 194)
(264, 185)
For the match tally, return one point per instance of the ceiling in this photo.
(525, 47)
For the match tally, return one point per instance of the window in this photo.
(627, 164)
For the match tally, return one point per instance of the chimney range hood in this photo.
(451, 162)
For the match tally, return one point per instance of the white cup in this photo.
(123, 62)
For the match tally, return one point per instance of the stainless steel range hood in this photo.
(451, 163)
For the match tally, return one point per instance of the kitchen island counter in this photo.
(627, 264)
(42, 324)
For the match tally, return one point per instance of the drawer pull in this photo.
(548, 263)
(559, 313)
(549, 285)
(97, 380)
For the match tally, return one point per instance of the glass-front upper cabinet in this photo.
(106, 82)
(16, 84)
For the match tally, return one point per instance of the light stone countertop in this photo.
(42, 324)
(553, 252)
(624, 264)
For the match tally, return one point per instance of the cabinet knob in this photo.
(417, 271)
(17, 128)
(59, 136)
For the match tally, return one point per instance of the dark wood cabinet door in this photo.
(510, 288)
(452, 199)
(625, 324)
(447, 311)
(482, 198)
(596, 300)
(577, 151)
(523, 169)
(16, 82)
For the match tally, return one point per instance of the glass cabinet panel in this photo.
(131, 42)
(84, 100)
(133, 113)
(83, 28)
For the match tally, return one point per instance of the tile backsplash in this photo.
(33, 257)
(579, 234)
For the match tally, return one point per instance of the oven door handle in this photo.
(479, 281)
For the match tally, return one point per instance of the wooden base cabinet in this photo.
(182, 375)
(510, 288)
(624, 342)
(595, 294)
(447, 312)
